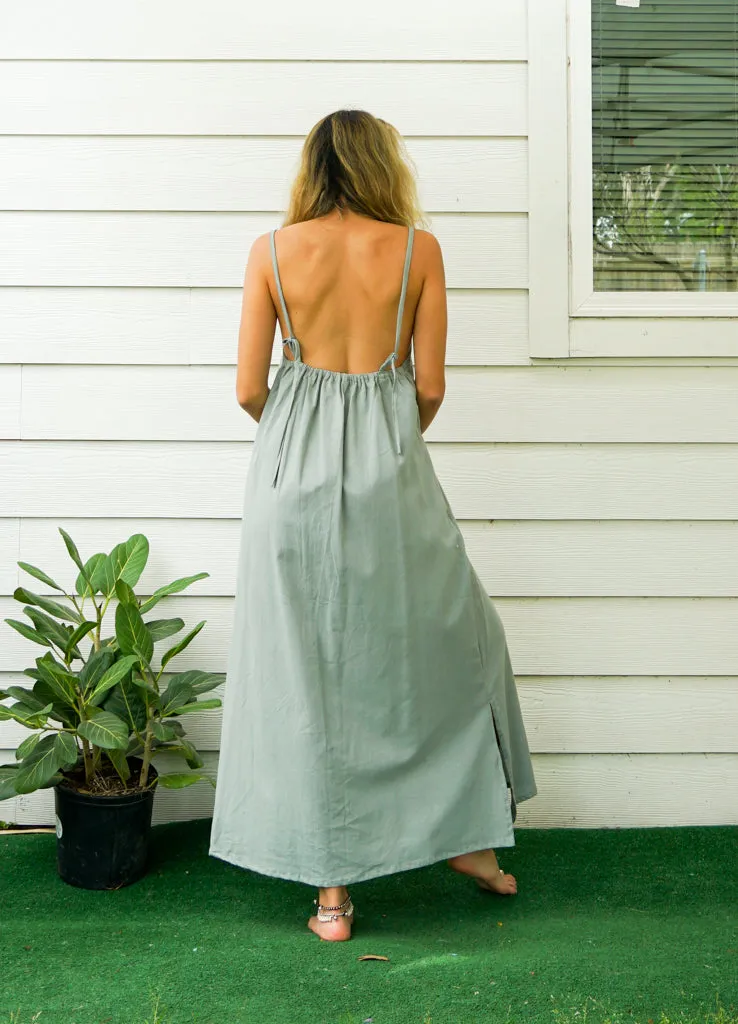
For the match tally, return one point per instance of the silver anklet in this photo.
(344, 909)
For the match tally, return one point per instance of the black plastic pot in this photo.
(102, 842)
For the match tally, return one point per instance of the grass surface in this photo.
(619, 925)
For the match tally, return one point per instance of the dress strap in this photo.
(391, 359)
(291, 340)
(405, 275)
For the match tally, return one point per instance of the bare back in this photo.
(341, 280)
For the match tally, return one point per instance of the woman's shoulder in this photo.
(427, 254)
(426, 238)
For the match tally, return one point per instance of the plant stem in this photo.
(146, 755)
(86, 751)
(88, 760)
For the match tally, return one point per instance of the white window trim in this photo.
(567, 317)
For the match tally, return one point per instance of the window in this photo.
(634, 177)
(664, 145)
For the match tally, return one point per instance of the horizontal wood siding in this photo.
(207, 250)
(180, 326)
(142, 154)
(539, 404)
(224, 30)
(236, 174)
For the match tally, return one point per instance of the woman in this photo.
(371, 722)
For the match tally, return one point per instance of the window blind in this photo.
(665, 145)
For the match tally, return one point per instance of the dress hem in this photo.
(482, 844)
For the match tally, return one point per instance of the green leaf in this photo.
(92, 579)
(135, 747)
(67, 749)
(40, 766)
(95, 668)
(62, 711)
(171, 588)
(198, 705)
(28, 745)
(143, 684)
(190, 755)
(63, 684)
(67, 612)
(161, 731)
(74, 554)
(39, 574)
(178, 692)
(54, 631)
(200, 682)
(25, 696)
(105, 730)
(126, 703)
(28, 633)
(80, 632)
(125, 593)
(8, 773)
(55, 778)
(160, 629)
(30, 717)
(119, 760)
(184, 642)
(129, 558)
(103, 578)
(178, 780)
(113, 676)
(132, 635)
(174, 723)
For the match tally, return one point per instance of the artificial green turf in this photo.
(641, 920)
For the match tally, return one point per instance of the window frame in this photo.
(568, 318)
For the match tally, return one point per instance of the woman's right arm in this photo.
(429, 332)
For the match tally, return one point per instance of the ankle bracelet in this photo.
(344, 909)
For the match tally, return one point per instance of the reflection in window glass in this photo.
(665, 145)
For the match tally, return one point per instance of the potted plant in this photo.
(99, 711)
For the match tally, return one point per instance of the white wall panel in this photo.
(483, 481)
(10, 401)
(514, 558)
(145, 148)
(211, 249)
(228, 30)
(236, 174)
(546, 636)
(639, 338)
(9, 553)
(264, 97)
(535, 404)
(181, 325)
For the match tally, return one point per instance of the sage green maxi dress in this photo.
(371, 721)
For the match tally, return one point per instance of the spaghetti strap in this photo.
(279, 289)
(403, 292)
(391, 359)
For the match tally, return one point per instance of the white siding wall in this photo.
(143, 150)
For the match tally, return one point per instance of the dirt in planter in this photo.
(106, 781)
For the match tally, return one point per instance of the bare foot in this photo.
(482, 865)
(339, 928)
(331, 931)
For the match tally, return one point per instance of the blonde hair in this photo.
(352, 159)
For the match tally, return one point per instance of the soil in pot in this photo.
(103, 831)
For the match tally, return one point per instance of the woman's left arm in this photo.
(256, 332)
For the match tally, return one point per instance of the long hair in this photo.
(351, 159)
